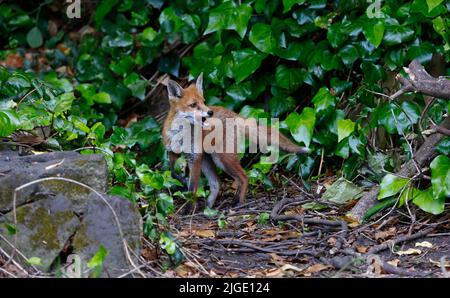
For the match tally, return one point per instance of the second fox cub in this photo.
(189, 105)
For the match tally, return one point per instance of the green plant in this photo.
(317, 65)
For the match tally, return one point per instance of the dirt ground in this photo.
(245, 242)
(279, 234)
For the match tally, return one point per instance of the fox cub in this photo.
(189, 105)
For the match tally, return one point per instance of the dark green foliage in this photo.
(315, 64)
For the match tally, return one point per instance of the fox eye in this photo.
(193, 105)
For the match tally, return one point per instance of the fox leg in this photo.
(195, 167)
(232, 166)
(213, 180)
(172, 159)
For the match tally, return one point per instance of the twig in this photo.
(254, 247)
(390, 243)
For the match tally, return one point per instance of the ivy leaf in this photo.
(432, 4)
(440, 177)
(278, 105)
(34, 38)
(423, 52)
(349, 54)
(246, 62)
(102, 10)
(63, 102)
(342, 191)
(240, 92)
(323, 100)
(345, 128)
(261, 36)
(87, 91)
(372, 72)
(391, 185)
(208, 212)
(290, 78)
(35, 261)
(374, 32)
(136, 85)
(289, 3)
(7, 123)
(302, 126)
(443, 146)
(424, 200)
(102, 97)
(123, 66)
(164, 204)
(396, 34)
(335, 35)
(170, 63)
(229, 16)
(99, 257)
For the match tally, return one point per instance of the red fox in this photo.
(188, 104)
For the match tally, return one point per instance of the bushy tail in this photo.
(264, 136)
(286, 145)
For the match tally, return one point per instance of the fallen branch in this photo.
(419, 81)
(242, 243)
(390, 243)
(275, 216)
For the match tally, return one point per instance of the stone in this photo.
(99, 227)
(56, 219)
(42, 230)
(19, 170)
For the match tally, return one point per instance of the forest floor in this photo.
(253, 241)
(309, 243)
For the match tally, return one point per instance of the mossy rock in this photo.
(42, 230)
(87, 169)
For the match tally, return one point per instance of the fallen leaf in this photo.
(277, 260)
(385, 234)
(285, 270)
(332, 241)
(410, 251)
(63, 48)
(394, 262)
(445, 263)
(342, 191)
(13, 61)
(316, 268)
(183, 271)
(204, 233)
(362, 249)
(149, 254)
(424, 244)
(271, 239)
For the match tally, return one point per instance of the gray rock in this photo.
(16, 171)
(56, 218)
(99, 227)
(42, 230)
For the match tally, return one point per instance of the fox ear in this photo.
(199, 84)
(174, 90)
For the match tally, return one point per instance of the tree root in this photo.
(275, 216)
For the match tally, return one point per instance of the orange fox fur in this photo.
(190, 101)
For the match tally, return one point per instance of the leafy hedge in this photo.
(318, 65)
